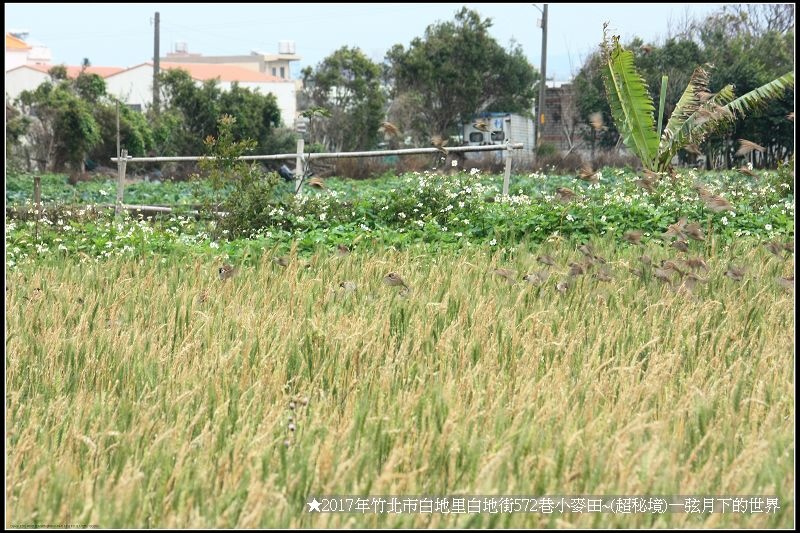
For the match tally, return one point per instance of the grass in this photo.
(148, 393)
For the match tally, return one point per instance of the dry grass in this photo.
(156, 395)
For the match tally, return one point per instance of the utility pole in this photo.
(156, 63)
(543, 84)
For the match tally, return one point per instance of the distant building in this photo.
(19, 52)
(278, 65)
(560, 115)
(135, 85)
(29, 77)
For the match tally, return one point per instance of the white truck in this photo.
(502, 127)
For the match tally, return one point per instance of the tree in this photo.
(190, 113)
(346, 83)
(697, 114)
(458, 70)
(63, 129)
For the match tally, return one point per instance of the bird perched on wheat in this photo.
(226, 272)
(393, 279)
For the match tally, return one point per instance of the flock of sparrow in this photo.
(680, 274)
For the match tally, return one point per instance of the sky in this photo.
(122, 34)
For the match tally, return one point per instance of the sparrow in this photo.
(439, 143)
(745, 147)
(226, 271)
(677, 229)
(389, 129)
(564, 194)
(596, 120)
(342, 250)
(633, 236)
(508, 275)
(537, 278)
(680, 245)
(562, 286)
(718, 204)
(546, 260)
(576, 269)
(603, 275)
(673, 266)
(694, 231)
(789, 247)
(648, 184)
(786, 284)
(281, 261)
(394, 280)
(696, 263)
(587, 173)
(693, 149)
(748, 172)
(316, 182)
(664, 275)
(691, 281)
(348, 286)
(586, 250)
(646, 260)
(775, 248)
(735, 273)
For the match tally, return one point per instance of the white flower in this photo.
(492, 242)
(473, 171)
(103, 192)
(214, 245)
(459, 234)
(419, 223)
(768, 227)
(570, 218)
(401, 215)
(603, 218)
(724, 221)
(323, 216)
(364, 227)
(454, 163)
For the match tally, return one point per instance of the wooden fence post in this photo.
(298, 167)
(122, 162)
(507, 175)
(37, 195)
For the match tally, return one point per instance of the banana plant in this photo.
(697, 114)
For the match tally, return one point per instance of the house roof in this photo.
(15, 43)
(203, 72)
(73, 71)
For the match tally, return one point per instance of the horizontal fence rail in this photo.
(301, 159)
(331, 155)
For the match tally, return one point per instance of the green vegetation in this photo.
(445, 211)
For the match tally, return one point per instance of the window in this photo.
(498, 136)
(283, 72)
(274, 71)
(476, 137)
(135, 107)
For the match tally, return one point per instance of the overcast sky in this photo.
(122, 34)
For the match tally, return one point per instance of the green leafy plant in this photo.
(249, 189)
(697, 114)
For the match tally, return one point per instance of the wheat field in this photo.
(150, 393)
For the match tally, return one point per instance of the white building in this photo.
(29, 77)
(19, 53)
(135, 85)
